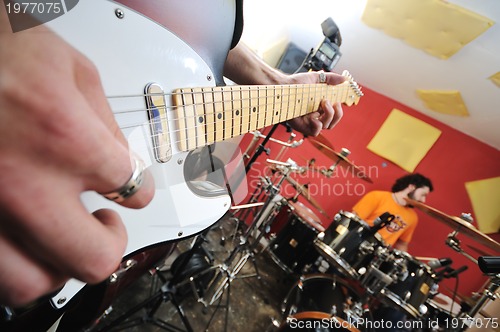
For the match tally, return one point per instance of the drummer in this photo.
(399, 232)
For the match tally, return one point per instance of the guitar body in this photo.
(131, 52)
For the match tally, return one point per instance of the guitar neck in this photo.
(208, 115)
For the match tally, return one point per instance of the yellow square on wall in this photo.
(495, 78)
(434, 26)
(484, 198)
(446, 102)
(404, 140)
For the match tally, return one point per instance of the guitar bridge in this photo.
(158, 122)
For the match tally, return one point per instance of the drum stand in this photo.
(466, 319)
(242, 252)
(166, 293)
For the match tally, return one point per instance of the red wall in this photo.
(454, 159)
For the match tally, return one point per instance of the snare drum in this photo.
(349, 244)
(323, 301)
(413, 287)
(292, 249)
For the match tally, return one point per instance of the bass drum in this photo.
(297, 226)
(319, 302)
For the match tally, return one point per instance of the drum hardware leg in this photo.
(232, 265)
(166, 293)
(261, 148)
(489, 293)
(151, 305)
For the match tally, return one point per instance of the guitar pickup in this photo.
(158, 122)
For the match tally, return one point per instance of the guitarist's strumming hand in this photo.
(243, 66)
(58, 138)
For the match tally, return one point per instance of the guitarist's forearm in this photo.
(243, 66)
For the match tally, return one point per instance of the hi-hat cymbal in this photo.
(340, 158)
(458, 224)
(302, 190)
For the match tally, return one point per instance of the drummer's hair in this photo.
(418, 180)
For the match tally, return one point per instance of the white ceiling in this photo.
(388, 65)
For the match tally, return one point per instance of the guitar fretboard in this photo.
(208, 115)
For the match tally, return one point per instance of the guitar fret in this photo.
(285, 111)
(246, 109)
(253, 104)
(219, 115)
(200, 120)
(256, 109)
(178, 100)
(208, 102)
(268, 108)
(276, 110)
(226, 108)
(236, 112)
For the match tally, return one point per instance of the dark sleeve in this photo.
(238, 24)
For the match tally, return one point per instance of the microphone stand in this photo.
(261, 148)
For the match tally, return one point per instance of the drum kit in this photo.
(366, 273)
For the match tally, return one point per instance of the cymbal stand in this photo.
(261, 148)
(244, 250)
(454, 243)
(285, 145)
(257, 135)
(261, 188)
(466, 319)
(329, 172)
(166, 293)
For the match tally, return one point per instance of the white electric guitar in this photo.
(164, 99)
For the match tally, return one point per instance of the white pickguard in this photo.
(131, 52)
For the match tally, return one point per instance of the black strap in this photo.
(238, 24)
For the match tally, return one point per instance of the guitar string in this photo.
(273, 100)
(222, 122)
(245, 114)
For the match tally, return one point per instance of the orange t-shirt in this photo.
(375, 203)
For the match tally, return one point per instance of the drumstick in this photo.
(426, 258)
(246, 206)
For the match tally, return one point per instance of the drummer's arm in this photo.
(401, 245)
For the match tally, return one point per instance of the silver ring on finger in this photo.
(131, 186)
(322, 76)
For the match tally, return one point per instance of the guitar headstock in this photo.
(354, 89)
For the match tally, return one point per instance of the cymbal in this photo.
(321, 139)
(340, 158)
(302, 190)
(458, 224)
